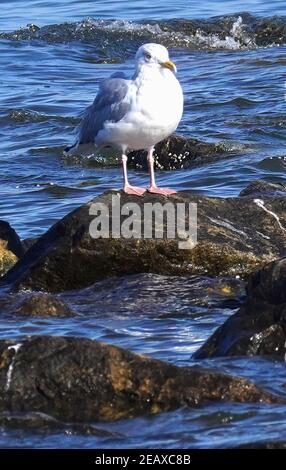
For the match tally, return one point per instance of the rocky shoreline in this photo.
(81, 380)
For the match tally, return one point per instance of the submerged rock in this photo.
(259, 327)
(46, 424)
(235, 236)
(30, 304)
(260, 188)
(83, 380)
(43, 305)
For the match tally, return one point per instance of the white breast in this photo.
(156, 110)
(160, 99)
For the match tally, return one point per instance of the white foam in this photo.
(16, 348)
(236, 39)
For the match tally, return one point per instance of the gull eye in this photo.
(148, 56)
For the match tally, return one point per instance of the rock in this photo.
(260, 188)
(116, 44)
(175, 152)
(28, 242)
(8, 234)
(235, 236)
(43, 305)
(259, 327)
(48, 424)
(7, 258)
(34, 305)
(178, 152)
(84, 380)
(10, 247)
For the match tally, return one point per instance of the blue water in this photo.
(233, 94)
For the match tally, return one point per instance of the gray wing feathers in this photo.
(107, 106)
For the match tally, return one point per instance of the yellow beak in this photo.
(169, 65)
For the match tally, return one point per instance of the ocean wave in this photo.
(229, 32)
(24, 116)
(52, 189)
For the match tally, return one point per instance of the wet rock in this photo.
(43, 305)
(83, 380)
(10, 247)
(28, 242)
(31, 304)
(8, 234)
(117, 40)
(7, 258)
(259, 327)
(235, 236)
(260, 188)
(175, 152)
(270, 31)
(178, 152)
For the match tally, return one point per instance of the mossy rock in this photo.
(7, 258)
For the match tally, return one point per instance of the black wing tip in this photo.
(69, 147)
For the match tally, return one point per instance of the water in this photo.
(234, 93)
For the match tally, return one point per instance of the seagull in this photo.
(134, 114)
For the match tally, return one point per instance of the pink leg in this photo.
(127, 188)
(153, 187)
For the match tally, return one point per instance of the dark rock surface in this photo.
(83, 380)
(28, 242)
(235, 236)
(178, 152)
(255, 31)
(120, 43)
(260, 188)
(175, 152)
(259, 327)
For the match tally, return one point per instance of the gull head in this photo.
(154, 56)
